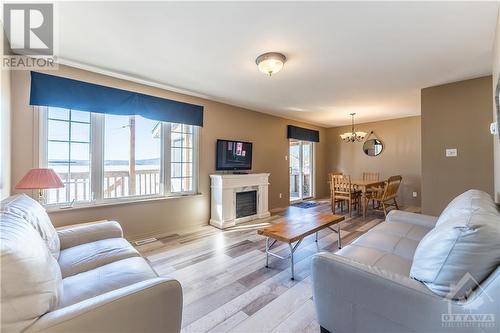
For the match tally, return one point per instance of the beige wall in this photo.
(5, 117)
(456, 115)
(268, 133)
(401, 154)
(496, 75)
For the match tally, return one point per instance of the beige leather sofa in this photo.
(416, 273)
(85, 278)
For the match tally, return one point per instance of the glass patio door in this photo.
(301, 170)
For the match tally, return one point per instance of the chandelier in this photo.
(353, 136)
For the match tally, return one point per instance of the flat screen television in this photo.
(233, 155)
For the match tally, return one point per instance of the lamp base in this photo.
(41, 197)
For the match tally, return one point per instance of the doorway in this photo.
(301, 170)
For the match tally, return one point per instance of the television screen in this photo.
(233, 155)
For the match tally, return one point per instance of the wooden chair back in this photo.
(341, 186)
(391, 187)
(371, 176)
(333, 173)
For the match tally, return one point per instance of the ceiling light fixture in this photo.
(270, 63)
(353, 136)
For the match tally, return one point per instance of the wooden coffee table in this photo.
(294, 230)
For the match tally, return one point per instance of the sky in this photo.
(116, 134)
(117, 138)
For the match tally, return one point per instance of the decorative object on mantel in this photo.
(238, 198)
(353, 136)
(373, 147)
(40, 179)
(271, 62)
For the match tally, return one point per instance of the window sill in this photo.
(57, 209)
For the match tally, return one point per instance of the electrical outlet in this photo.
(281, 195)
(451, 152)
(415, 194)
(286, 157)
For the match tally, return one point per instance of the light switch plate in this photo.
(451, 152)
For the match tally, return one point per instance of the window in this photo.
(181, 161)
(68, 153)
(132, 156)
(103, 157)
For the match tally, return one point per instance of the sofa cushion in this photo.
(84, 257)
(373, 257)
(105, 278)
(30, 276)
(407, 230)
(389, 246)
(459, 253)
(34, 214)
(474, 199)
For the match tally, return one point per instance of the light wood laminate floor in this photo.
(227, 287)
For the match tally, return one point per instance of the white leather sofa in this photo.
(84, 278)
(416, 273)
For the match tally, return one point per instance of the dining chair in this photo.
(375, 177)
(371, 176)
(341, 190)
(387, 197)
(333, 173)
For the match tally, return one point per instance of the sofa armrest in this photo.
(348, 295)
(411, 218)
(153, 305)
(74, 235)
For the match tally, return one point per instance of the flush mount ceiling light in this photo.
(353, 136)
(270, 63)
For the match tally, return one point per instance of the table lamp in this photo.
(40, 179)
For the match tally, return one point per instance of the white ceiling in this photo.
(366, 57)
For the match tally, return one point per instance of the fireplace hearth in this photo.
(246, 203)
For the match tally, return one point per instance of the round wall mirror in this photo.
(373, 147)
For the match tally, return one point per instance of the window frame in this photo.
(97, 128)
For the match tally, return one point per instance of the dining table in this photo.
(364, 186)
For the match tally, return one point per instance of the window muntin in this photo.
(68, 153)
(91, 151)
(181, 161)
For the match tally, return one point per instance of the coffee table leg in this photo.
(293, 248)
(340, 239)
(267, 252)
(291, 259)
(338, 235)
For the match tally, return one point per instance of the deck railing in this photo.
(294, 184)
(116, 184)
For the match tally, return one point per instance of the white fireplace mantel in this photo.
(223, 199)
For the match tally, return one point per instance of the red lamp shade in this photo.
(40, 179)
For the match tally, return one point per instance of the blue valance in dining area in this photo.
(55, 91)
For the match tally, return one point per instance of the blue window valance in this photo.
(303, 134)
(50, 90)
